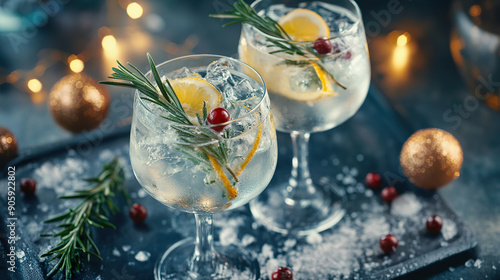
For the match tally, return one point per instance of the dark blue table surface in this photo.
(431, 87)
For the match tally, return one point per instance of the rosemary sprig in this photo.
(244, 13)
(192, 137)
(75, 235)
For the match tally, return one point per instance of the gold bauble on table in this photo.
(78, 103)
(431, 158)
(8, 146)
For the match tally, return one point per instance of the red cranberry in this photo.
(388, 244)
(434, 224)
(216, 116)
(283, 273)
(389, 194)
(28, 186)
(322, 45)
(138, 213)
(373, 180)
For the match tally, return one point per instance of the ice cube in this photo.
(276, 11)
(184, 72)
(218, 72)
(303, 79)
(243, 90)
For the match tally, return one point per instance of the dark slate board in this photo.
(371, 141)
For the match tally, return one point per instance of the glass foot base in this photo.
(320, 208)
(231, 262)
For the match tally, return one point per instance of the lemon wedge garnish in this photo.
(304, 25)
(192, 92)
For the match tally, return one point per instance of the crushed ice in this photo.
(142, 256)
(406, 205)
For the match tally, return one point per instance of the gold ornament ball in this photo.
(8, 146)
(78, 103)
(431, 158)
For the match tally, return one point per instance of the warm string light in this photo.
(75, 64)
(34, 85)
(109, 43)
(134, 10)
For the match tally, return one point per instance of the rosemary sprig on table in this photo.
(176, 114)
(244, 13)
(75, 235)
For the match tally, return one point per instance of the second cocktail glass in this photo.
(312, 92)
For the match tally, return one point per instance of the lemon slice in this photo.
(192, 92)
(304, 25)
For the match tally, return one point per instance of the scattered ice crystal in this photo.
(142, 256)
(314, 238)
(141, 193)
(43, 207)
(126, 248)
(247, 240)
(469, 263)
(228, 236)
(20, 254)
(360, 157)
(368, 193)
(405, 205)
(354, 171)
(449, 229)
(116, 252)
(478, 263)
(289, 244)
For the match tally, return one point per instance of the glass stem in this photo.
(300, 183)
(203, 262)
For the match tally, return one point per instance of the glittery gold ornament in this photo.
(8, 146)
(78, 103)
(431, 158)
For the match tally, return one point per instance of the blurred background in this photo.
(436, 62)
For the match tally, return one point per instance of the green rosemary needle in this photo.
(244, 13)
(75, 232)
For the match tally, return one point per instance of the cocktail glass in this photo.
(184, 176)
(310, 93)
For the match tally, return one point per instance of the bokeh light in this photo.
(109, 43)
(402, 40)
(134, 10)
(34, 85)
(76, 65)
